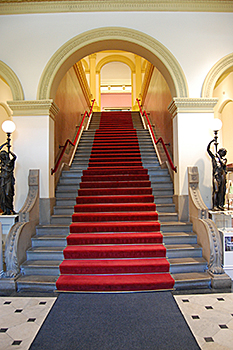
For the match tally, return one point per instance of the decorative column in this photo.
(191, 134)
(34, 147)
(138, 80)
(93, 86)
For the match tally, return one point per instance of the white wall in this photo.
(197, 40)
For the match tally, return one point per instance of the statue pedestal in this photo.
(222, 219)
(7, 222)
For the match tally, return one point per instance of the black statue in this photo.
(7, 180)
(219, 164)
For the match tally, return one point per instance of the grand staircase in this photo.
(187, 266)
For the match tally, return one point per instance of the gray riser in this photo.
(33, 268)
(183, 251)
(168, 217)
(176, 227)
(65, 201)
(36, 283)
(70, 180)
(49, 241)
(79, 168)
(53, 230)
(74, 174)
(163, 199)
(193, 280)
(39, 253)
(71, 186)
(160, 178)
(158, 172)
(63, 210)
(161, 185)
(164, 192)
(187, 265)
(179, 238)
(167, 208)
(61, 219)
(65, 194)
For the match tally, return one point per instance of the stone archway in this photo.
(112, 38)
(12, 80)
(214, 74)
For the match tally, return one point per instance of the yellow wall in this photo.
(71, 102)
(5, 95)
(156, 102)
(224, 111)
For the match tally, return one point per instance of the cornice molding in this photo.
(8, 7)
(192, 105)
(33, 108)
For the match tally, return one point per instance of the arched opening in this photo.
(112, 38)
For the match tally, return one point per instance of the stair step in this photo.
(45, 253)
(49, 241)
(185, 281)
(183, 250)
(41, 267)
(179, 238)
(176, 226)
(36, 283)
(187, 265)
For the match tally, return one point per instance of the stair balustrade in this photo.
(172, 168)
(75, 143)
(18, 239)
(207, 233)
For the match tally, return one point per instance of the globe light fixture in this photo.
(8, 126)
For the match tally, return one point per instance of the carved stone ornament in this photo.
(207, 230)
(23, 229)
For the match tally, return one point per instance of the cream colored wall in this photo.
(5, 95)
(224, 111)
(71, 104)
(157, 101)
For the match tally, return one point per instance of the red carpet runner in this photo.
(115, 242)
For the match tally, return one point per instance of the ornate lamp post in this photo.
(219, 165)
(7, 164)
(216, 126)
(8, 126)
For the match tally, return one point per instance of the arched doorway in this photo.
(112, 38)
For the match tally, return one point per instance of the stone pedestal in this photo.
(222, 219)
(7, 222)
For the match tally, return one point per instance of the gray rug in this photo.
(112, 321)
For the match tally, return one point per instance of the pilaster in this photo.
(191, 134)
(33, 145)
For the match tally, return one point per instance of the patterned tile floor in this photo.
(209, 316)
(21, 319)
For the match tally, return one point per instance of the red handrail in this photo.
(68, 141)
(160, 139)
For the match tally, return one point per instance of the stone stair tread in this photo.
(173, 234)
(182, 246)
(42, 263)
(191, 276)
(188, 260)
(34, 279)
(45, 249)
(50, 236)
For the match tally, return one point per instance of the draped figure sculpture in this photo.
(7, 180)
(219, 165)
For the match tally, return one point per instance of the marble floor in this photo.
(209, 316)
